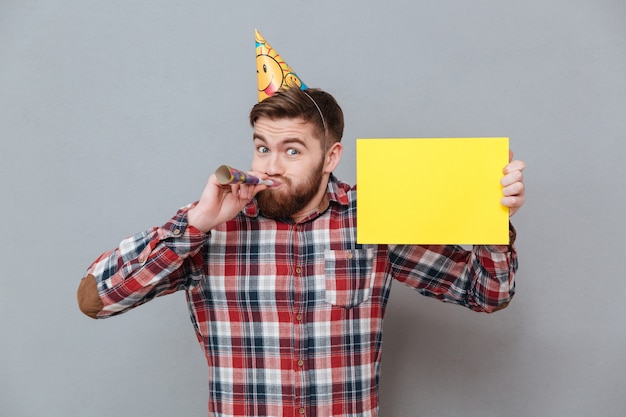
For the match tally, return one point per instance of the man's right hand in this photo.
(220, 203)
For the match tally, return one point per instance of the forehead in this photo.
(284, 128)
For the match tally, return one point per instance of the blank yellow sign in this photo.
(431, 191)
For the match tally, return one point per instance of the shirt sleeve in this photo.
(156, 262)
(482, 279)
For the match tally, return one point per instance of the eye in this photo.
(262, 149)
(292, 152)
(264, 68)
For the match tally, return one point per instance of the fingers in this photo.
(246, 192)
(513, 203)
(512, 178)
(513, 194)
(514, 197)
(514, 166)
(513, 188)
(243, 191)
(513, 173)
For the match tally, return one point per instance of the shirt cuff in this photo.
(180, 236)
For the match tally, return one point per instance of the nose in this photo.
(274, 165)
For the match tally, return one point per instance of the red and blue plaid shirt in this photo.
(290, 315)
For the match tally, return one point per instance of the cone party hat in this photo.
(272, 71)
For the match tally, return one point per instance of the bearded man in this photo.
(286, 305)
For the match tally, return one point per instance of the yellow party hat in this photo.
(272, 72)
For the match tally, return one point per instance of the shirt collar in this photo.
(335, 193)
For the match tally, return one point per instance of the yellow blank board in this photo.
(431, 191)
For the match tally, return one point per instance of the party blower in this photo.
(229, 175)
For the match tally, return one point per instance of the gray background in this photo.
(114, 113)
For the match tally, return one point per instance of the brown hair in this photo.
(294, 103)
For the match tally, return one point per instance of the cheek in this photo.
(256, 164)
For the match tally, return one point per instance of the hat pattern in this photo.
(272, 71)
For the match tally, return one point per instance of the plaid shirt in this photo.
(290, 315)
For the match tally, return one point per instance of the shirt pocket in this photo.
(348, 276)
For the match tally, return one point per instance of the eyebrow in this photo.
(287, 141)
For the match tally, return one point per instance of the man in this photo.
(286, 305)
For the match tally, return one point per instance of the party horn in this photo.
(229, 175)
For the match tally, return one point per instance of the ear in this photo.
(333, 156)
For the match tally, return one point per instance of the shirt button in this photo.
(298, 270)
(176, 232)
(300, 362)
(299, 317)
(301, 411)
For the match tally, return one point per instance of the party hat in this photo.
(272, 72)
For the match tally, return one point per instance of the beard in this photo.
(278, 205)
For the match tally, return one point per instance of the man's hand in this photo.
(513, 183)
(220, 203)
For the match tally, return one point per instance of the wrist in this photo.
(197, 219)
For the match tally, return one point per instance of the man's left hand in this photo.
(513, 183)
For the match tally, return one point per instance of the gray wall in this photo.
(113, 114)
